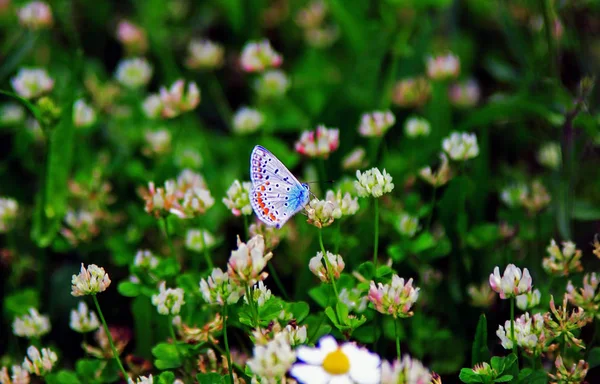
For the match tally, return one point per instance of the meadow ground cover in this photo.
(278, 191)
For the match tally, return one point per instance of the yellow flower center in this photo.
(336, 363)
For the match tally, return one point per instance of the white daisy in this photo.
(331, 363)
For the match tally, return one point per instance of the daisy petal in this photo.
(328, 344)
(341, 379)
(309, 374)
(311, 355)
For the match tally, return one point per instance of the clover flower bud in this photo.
(198, 239)
(536, 199)
(32, 325)
(373, 183)
(168, 301)
(152, 106)
(206, 334)
(550, 155)
(586, 297)
(84, 114)
(9, 209)
(134, 73)
(461, 146)
(512, 283)
(297, 335)
(157, 142)
(439, 178)
(407, 225)
(132, 37)
(260, 294)
(355, 159)
(481, 296)
(272, 84)
(575, 374)
(37, 364)
(220, 289)
(204, 54)
(376, 124)
(529, 300)
(311, 16)
(320, 268)
(258, 56)
(562, 263)
(30, 83)
(83, 320)
(321, 37)
(89, 281)
(514, 194)
(319, 143)
(443, 67)
(396, 298)
(247, 120)
(564, 325)
(412, 92)
(248, 261)
(407, 370)
(416, 126)
(464, 94)
(36, 15)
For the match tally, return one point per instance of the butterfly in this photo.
(276, 194)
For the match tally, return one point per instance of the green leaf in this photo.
(128, 289)
(320, 294)
(88, 367)
(270, 310)
(479, 351)
(529, 376)
(422, 243)
(333, 317)
(367, 270)
(166, 378)
(166, 355)
(62, 377)
(504, 379)
(167, 268)
(593, 358)
(397, 253)
(468, 376)
(18, 303)
(383, 271)
(585, 211)
(483, 235)
(210, 378)
(300, 309)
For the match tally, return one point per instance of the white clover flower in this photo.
(376, 124)
(394, 299)
(260, 294)
(145, 259)
(204, 54)
(319, 143)
(32, 325)
(152, 106)
(416, 126)
(157, 142)
(189, 179)
(439, 178)
(39, 364)
(258, 56)
(168, 301)
(197, 201)
(132, 37)
(550, 155)
(373, 183)
(238, 198)
(443, 67)
(407, 370)
(11, 114)
(247, 120)
(134, 73)
(514, 194)
(8, 213)
(354, 299)
(30, 83)
(175, 101)
(247, 262)
(188, 158)
(355, 159)
(318, 266)
(321, 213)
(330, 363)
(297, 335)
(408, 225)
(219, 288)
(465, 94)
(36, 15)
(84, 114)
(143, 380)
(345, 203)
(271, 361)
(83, 320)
(529, 300)
(271, 84)
(461, 146)
(198, 239)
(19, 375)
(562, 262)
(513, 283)
(89, 281)
(529, 332)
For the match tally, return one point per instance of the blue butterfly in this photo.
(276, 194)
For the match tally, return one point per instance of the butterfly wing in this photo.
(276, 194)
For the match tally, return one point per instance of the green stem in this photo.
(275, 277)
(167, 236)
(432, 208)
(397, 338)
(220, 100)
(512, 325)
(328, 266)
(229, 365)
(246, 227)
(110, 339)
(251, 303)
(172, 332)
(376, 240)
(548, 29)
(338, 237)
(207, 257)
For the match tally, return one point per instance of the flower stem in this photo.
(432, 208)
(397, 338)
(338, 237)
(173, 336)
(376, 240)
(229, 365)
(512, 325)
(207, 257)
(328, 266)
(167, 236)
(251, 303)
(220, 100)
(110, 339)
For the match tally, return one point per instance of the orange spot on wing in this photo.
(272, 217)
(262, 187)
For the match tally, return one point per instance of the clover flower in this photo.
(319, 268)
(530, 333)
(19, 375)
(196, 202)
(529, 300)
(84, 114)
(238, 200)
(586, 297)
(8, 213)
(36, 15)
(536, 199)
(321, 37)
(162, 201)
(152, 106)
(443, 67)
(461, 146)
(464, 94)
(168, 301)
(514, 194)
(30, 83)
(311, 16)
(416, 126)
(373, 183)
(412, 92)
(562, 324)
(408, 370)
(132, 37)
(562, 263)
(11, 114)
(247, 262)
(198, 239)
(407, 225)
(260, 294)
(355, 159)
(345, 203)
(271, 235)
(145, 259)
(330, 362)
(354, 299)
(481, 296)
(512, 283)
(157, 142)
(376, 124)
(121, 337)
(271, 361)
(396, 298)
(319, 143)
(83, 320)
(189, 179)
(549, 155)
(204, 54)
(219, 288)
(205, 334)
(322, 213)
(89, 281)
(272, 84)
(575, 374)
(175, 101)
(37, 364)
(439, 178)
(134, 73)
(188, 158)
(32, 325)
(258, 56)
(247, 120)
(296, 334)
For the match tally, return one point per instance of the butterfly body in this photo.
(276, 194)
